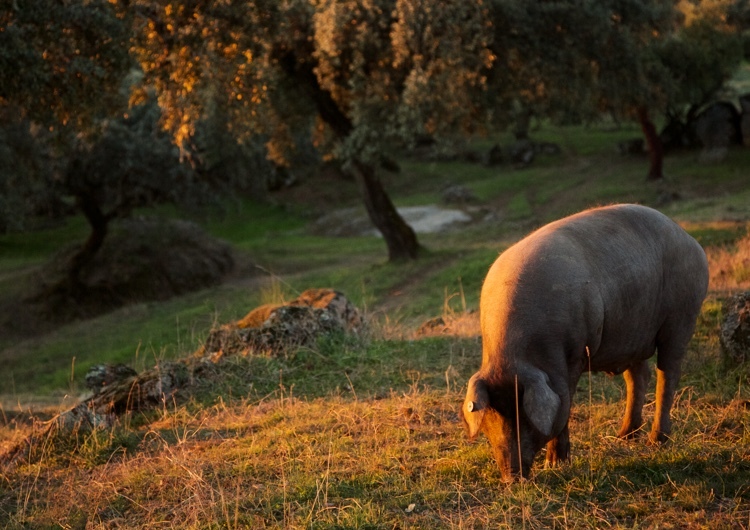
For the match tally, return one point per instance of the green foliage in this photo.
(63, 63)
(369, 72)
(131, 164)
(554, 68)
(26, 178)
(700, 59)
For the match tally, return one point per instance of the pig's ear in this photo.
(475, 405)
(540, 402)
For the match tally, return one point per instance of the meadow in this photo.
(363, 432)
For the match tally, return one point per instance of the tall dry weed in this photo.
(729, 266)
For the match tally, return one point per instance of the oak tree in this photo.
(356, 73)
(65, 69)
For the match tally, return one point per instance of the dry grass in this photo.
(398, 462)
(730, 265)
(366, 435)
(292, 458)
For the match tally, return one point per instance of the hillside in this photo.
(364, 432)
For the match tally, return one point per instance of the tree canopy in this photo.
(356, 74)
(66, 126)
(359, 76)
(63, 63)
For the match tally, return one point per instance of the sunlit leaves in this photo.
(446, 46)
(391, 67)
(63, 62)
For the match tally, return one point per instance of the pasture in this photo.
(363, 432)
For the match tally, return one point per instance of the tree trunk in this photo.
(398, 235)
(655, 147)
(99, 224)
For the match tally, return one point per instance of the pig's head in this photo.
(490, 407)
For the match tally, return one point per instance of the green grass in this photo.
(363, 432)
(32, 247)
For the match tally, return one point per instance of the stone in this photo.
(547, 148)
(273, 329)
(717, 128)
(432, 326)
(102, 375)
(522, 153)
(734, 337)
(457, 194)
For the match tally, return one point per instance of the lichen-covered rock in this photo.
(117, 390)
(273, 329)
(102, 375)
(735, 329)
(270, 330)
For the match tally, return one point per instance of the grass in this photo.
(731, 265)
(388, 452)
(364, 432)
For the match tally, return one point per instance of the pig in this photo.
(601, 290)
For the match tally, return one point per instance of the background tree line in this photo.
(109, 106)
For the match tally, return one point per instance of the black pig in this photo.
(601, 290)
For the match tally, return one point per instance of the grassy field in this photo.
(363, 432)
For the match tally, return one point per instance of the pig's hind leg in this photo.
(671, 345)
(636, 382)
(558, 449)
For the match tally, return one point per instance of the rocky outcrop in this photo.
(717, 128)
(273, 329)
(735, 329)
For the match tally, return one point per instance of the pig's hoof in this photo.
(556, 456)
(658, 438)
(629, 433)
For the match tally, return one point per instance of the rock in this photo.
(457, 194)
(547, 148)
(522, 153)
(675, 135)
(427, 219)
(102, 375)
(257, 316)
(735, 329)
(143, 259)
(432, 219)
(714, 155)
(344, 222)
(273, 329)
(717, 127)
(450, 154)
(127, 392)
(667, 197)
